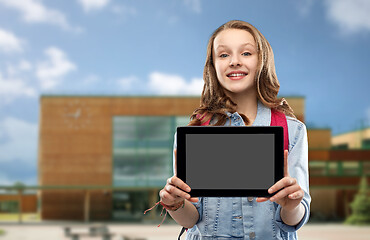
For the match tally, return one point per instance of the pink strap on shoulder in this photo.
(205, 123)
(279, 119)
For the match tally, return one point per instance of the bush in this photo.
(2, 232)
(360, 206)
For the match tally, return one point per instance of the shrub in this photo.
(360, 206)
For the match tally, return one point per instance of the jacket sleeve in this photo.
(298, 168)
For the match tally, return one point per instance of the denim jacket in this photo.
(225, 218)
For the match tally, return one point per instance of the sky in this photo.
(121, 47)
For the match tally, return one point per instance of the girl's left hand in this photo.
(290, 194)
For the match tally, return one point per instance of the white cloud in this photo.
(165, 84)
(21, 141)
(33, 11)
(194, 5)
(13, 88)
(15, 71)
(126, 83)
(9, 42)
(52, 71)
(24, 65)
(351, 16)
(91, 5)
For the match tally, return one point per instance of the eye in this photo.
(246, 54)
(223, 55)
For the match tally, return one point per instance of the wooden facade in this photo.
(28, 202)
(75, 147)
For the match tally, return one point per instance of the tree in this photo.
(360, 205)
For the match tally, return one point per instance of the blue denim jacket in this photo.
(225, 218)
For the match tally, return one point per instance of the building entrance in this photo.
(129, 206)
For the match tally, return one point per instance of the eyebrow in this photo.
(220, 46)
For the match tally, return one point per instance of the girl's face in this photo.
(235, 60)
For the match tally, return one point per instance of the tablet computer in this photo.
(218, 161)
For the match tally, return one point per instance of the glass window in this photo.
(332, 168)
(366, 168)
(351, 168)
(9, 206)
(142, 149)
(366, 144)
(317, 168)
(343, 146)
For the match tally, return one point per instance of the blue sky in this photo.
(111, 47)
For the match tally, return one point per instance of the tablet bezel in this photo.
(278, 133)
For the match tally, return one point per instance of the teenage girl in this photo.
(240, 88)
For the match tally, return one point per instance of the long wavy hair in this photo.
(215, 103)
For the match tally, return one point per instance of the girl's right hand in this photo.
(175, 191)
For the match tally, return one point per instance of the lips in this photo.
(236, 75)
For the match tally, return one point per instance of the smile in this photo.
(236, 74)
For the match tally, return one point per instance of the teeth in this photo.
(237, 74)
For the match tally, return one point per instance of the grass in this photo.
(13, 217)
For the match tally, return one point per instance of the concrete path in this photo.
(170, 232)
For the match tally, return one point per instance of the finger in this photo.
(175, 153)
(286, 172)
(178, 183)
(285, 182)
(166, 197)
(194, 199)
(262, 199)
(174, 191)
(285, 192)
(296, 195)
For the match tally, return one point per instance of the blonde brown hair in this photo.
(214, 102)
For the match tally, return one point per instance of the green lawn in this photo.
(13, 217)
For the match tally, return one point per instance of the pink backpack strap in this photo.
(279, 119)
(206, 123)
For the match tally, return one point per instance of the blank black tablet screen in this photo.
(230, 161)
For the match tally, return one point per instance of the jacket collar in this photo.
(263, 117)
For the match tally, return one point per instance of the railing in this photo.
(86, 189)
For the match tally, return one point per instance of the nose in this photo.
(235, 61)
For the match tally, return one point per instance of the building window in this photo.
(332, 168)
(9, 206)
(343, 146)
(143, 149)
(366, 144)
(339, 168)
(366, 168)
(351, 168)
(317, 168)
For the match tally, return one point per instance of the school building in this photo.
(107, 157)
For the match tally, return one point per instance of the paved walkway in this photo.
(170, 232)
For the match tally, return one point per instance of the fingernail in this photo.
(188, 189)
(187, 196)
(270, 190)
(168, 188)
